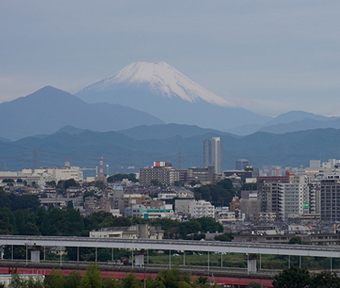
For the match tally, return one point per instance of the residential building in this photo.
(201, 208)
(296, 196)
(250, 205)
(181, 206)
(330, 200)
(161, 172)
(133, 232)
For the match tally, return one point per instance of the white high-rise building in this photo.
(212, 151)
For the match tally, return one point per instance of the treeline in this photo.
(298, 278)
(119, 177)
(14, 202)
(290, 278)
(220, 194)
(93, 279)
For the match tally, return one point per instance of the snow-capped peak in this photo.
(163, 78)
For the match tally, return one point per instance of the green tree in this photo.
(20, 222)
(70, 182)
(111, 282)
(30, 229)
(24, 202)
(131, 281)
(295, 240)
(254, 285)
(156, 182)
(17, 282)
(73, 280)
(7, 221)
(119, 177)
(153, 283)
(5, 202)
(220, 194)
(34, 283)
(8, 181)
(51, 183)
(75, 222)
(189, 227)
(173, 278)
(58, 280)
(85, 282)
(210, 224)
(94, 276)
(224, 237)
(292, 278)
(325, 279)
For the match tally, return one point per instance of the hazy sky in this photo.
(267, 56)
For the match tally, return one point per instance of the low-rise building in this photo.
(201, 208)
(132, 232)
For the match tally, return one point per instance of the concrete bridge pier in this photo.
(2, 253)
(139, 260)
(251, 262)
(35, 254)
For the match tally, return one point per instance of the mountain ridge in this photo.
(84, 149)
(49, 109)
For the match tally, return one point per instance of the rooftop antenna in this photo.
(67, 164)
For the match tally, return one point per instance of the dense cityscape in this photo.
(247, 204)
(169, 144)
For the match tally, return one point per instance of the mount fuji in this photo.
(164, 92)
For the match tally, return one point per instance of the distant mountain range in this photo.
(49, 109)
(143, 94)
(120, 151)
(299, 121)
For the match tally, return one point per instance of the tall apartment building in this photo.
(212, 154)
(286, 196)
(296, 196)
(160, 171)
(330, 200)
(271, 198)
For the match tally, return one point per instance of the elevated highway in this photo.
(251, 250)
(177, 245)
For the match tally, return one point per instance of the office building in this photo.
(212, 153)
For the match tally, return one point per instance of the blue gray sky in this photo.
(270, 57)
